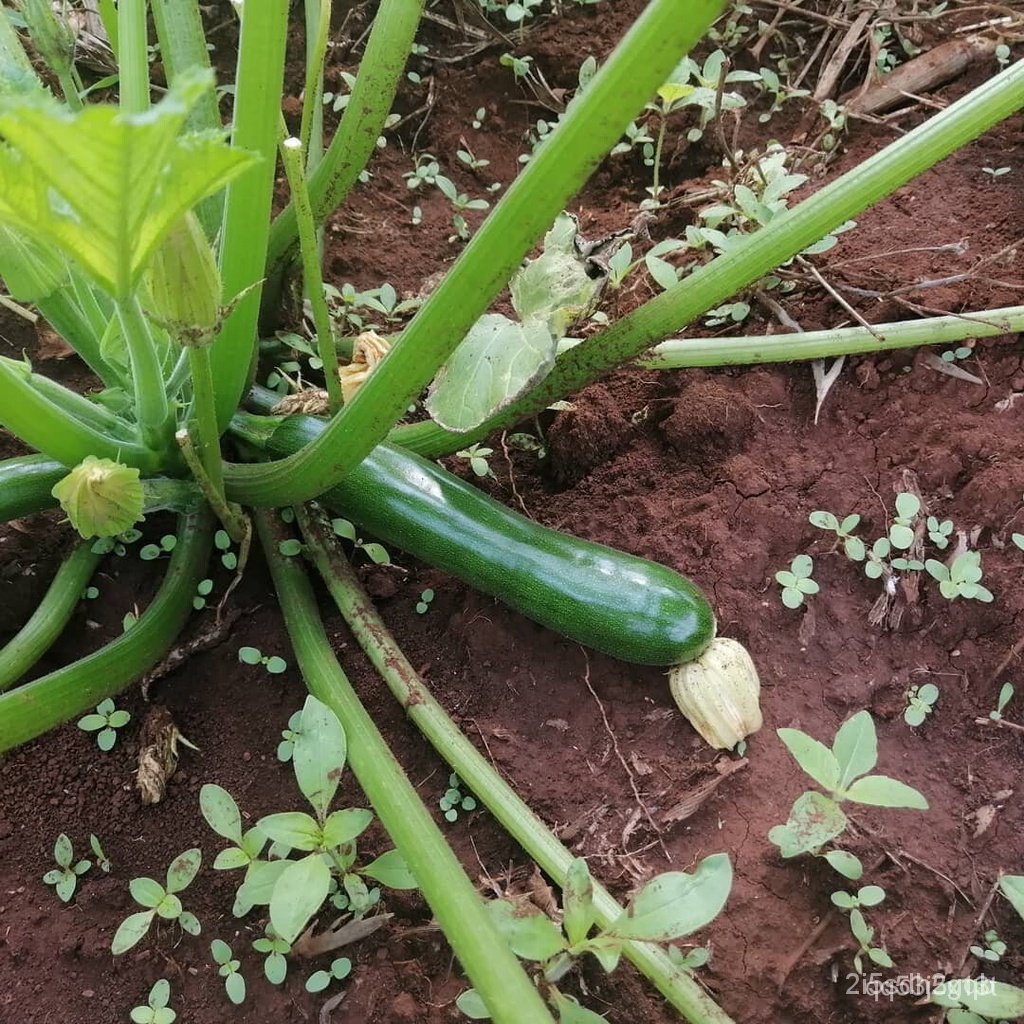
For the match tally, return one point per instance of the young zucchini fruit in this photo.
(633, 609)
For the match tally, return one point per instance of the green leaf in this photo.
(390, 869)
(813, 821)
(119, 719)
(105, 187)
(131, 931)
(861, 932)
(880, 957)
(843, 900)
(854, 548)
(792, 598)
(813, 757)
(147, 892)
(823, 520)
(233, 857)
(183, 869)
(293, 828)
(881, 791)
(855, 747)
(344, 826)
(275, 665)
(189, 922)
(845, 863)
(676, 903)
(319, 755)
(221, 812)
(250, 655)
(275, 967)
(377, 553)
(993, 999)
(298, 895)
(870, 895)
(530, 933)
(578, 901)
(1012, 887)
(318, 981)
(901, 537)
(169, 907)
(497, 361)
(802, 566)
(914, 716)
(469, 1002)
(66, 886)
(570, 1012)
(234, 985)
(63, 851)
(907, 505)
(260, 880)
(220, 951)
(92, 722)
(663, 273)
(106, 739)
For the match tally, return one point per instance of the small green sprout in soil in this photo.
(796, 581)
(228, 558)
(843, 529)
(961, 579)
(453, 800)
(426, 172)
(901, 532)
(105, 721)
(993, 949)
(423, 604)
(117, 545)
(996, 172)
(339, 970)
(477, 456)
(156, 1010)
(867, 896)
(151, 552)
(64, 877)
(1002, 55)
(274, 664)
(920, 704)
(102, 860)
(1018, 539)
(952, 355)
(692, 959)
(228, 969)
(668, 907)
(275, 966)
(160, 901)
(1005, 696)
(816, 819)
(521, 66)
(290, 548)
(473, 162)
(286, 747)
(377, 553)
(91, 593)
(939, 531)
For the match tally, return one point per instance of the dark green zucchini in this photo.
(627, 607)
(25, 485)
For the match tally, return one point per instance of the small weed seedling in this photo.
(64, 877)
(920, 704)
(340, 969)
(160, 901)
(993, 949)
(477, 457)
(952, 355)
(453, 801)
(376, 553)
(960, 579)
(102, 860)
(1018, 539)
(667, 908)
(1005, 696)
(286, 747)
(698, 956)
(275, 966)
(228, 969)
(105, 722)
(853, 546)
(295, 889)
(867, 896)
(848, 865)
(254, 656)
(228, 558)
(118, 545)
(796, 581)
(423, 604)
(939, 531)
(816, 819)
(151, 552)
(203, 590)
(156, 1010)
(996, 172)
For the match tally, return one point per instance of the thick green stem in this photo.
(47, 622)
(485, 956)
(311, 131)
(248, 205)
(787, 234)
(74, 323)
(479, 775)
(291, 155)
(29, 711)
(151, 408)
(133, 56)
(384, 59)
(590, 127)
(204, 418)
(55, 431)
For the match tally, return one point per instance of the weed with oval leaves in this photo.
(339, 970)
(156, 1010)
(920, 704)
(274, 664)
(275, 964)
(454, 800)
(105, 721)
(64, 877)
(377, 553)
(229, 970)
(962, 578)
(160, 901)
(286, 747)
(1005, 696)
(423, 604)
(796, 581)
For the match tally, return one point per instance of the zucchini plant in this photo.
(142, 232)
